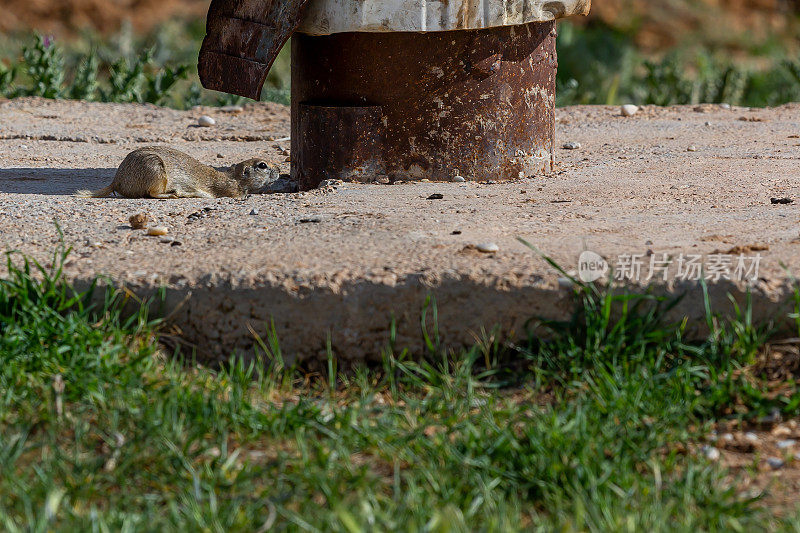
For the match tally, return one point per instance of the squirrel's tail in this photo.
(102, 193)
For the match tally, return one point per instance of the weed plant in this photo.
(594, 426)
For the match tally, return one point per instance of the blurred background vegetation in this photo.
(744, 52)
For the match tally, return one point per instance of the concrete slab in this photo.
(345, 261)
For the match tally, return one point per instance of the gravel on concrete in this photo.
(374, 252)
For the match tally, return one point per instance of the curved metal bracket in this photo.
(243, 38)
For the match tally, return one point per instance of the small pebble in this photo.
(220, 156)
(750, 436)
(628, 110)
(254, 211)
(571, 146)
(314, 219)
(231, 109)
(157, 231)
(725, 106)
(691, 148)
(775, 463)
(788, 443)
(727, 437)
(435, 196)
(781, 431)
(166, 240)
(487, 247)
(138, 221)
(784, 200)
(565, 282)
(206, 121)
(711, 453)
(772, 418)
(458, 179)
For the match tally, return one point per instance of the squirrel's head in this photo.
(255, 174)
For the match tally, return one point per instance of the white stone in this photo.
(788, 443)
(487, 247)
(157, 231)
(235, 109)
(750, 436)
(458, 179)
(711, 453)
(691, 148)
(775, 463)
(571, 146)
(628, 110)
(205, 121)
(565, 283)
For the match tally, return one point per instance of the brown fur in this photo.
(163, 172)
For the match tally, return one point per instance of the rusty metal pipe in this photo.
(340, 142)
(480, 103)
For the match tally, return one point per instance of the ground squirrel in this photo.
(161, 172)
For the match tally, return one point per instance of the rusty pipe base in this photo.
(478, 103)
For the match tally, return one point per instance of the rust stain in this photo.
(339, 142)
(243, 38)
(479, 103)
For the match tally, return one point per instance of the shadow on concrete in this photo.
(53, 181)
(217, 320)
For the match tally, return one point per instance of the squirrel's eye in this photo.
(262, 165)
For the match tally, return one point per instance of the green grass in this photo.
(100, 430)
(597, 65)
(601, 65)
(159, 69)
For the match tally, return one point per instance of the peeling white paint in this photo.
(323, 17)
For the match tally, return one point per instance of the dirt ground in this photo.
(347, 260)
